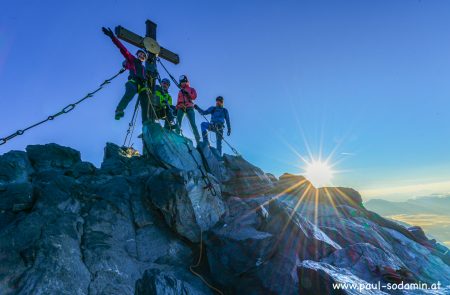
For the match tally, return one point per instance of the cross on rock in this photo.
(148, 42)
(154, 50)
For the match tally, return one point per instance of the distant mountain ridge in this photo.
(430, 212)
(423, 205)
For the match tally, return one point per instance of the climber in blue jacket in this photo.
(219, 116)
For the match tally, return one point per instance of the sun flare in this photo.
(319, 173)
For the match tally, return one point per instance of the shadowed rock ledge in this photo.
(134, 226)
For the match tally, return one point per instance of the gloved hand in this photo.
(229, 132)
(119, 114)
(196, 107)
(108, 32)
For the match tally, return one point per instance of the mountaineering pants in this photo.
(131, 89)
(191, 117)
(168, 114)
(217, 128)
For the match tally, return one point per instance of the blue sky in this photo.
(367, 79)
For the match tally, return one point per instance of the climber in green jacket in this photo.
(165, 109)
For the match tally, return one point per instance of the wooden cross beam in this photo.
(149, 42)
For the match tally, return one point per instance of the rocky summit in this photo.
(182, 220)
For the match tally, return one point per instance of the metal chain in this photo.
(65, 110)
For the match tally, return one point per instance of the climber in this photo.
(185, 104)
(219, 116)
(136, 80)
(165, 109)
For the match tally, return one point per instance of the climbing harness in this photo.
(208, 183)
(166, 108)
(179, 87)
(65, 110)
(140, 86)
(217, 131)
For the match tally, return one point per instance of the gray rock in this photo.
(236, 247)
(129, 227)
(157, 244)
(340, 196)
(83, 169)
(126, 162)
(115, 160)
(169, 149)
(57, 261)
(244, 179)
(418, 233)
(298, 187)
(16, 196)
(15, 167)
(52, 156)
(272, 177)
(419, 259)
(213, 162)
(297, 230)
(165, 280)
(296, 239)
(319, 277)
(109, 246)
(188, 207)
(370, 263)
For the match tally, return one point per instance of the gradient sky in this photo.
(366, 79)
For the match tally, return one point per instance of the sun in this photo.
(319, 173)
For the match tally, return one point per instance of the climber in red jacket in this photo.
(185, 104)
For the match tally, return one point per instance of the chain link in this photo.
(65, 110)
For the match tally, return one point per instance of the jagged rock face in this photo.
(170, 149)
(134, 226)
(52, 156)
(300, 188)
(188, 207)
(15, 167)
(213, 162)
(236, 245)
(170, 281)
(244, 179)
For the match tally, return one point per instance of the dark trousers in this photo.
(217, 129)
(191, 117)
(131, 89)
(167, 113)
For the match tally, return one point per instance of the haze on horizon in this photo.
(363, 81)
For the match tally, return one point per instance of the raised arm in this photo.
(128, 56)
